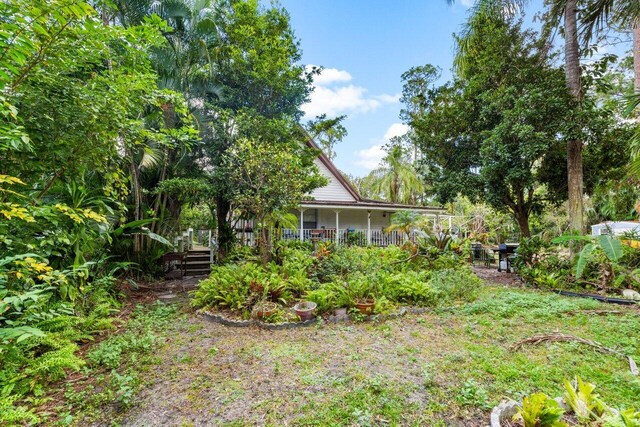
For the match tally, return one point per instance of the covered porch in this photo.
(357, 223)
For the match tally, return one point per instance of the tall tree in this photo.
(327, 132)
(622, 14)
(257, 62)
(567, 12)
(486, 135)
(416, 82)
(397, 180)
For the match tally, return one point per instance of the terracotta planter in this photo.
(365, 306)
(265, 309)
(305, 309)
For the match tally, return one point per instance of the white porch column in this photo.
(337, 227)
(302, 224)
(450, 225)
(369, 227)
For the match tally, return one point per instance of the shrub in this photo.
(228, 286)
(329, 296)
(408, 288)
(340, 276)
(455, 284)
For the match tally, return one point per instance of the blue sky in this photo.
(365, 46)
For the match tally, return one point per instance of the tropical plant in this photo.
(406, 221)
(397, 180)
(609, 245)
(586, 405)
(363, 288)
(539, 410)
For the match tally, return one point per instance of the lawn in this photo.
(448, 366)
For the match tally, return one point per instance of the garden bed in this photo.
(388, 279)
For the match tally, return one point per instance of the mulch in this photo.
(492, 275)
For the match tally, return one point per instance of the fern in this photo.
(52, 365)
(15, 415)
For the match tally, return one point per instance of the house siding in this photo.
(334, 191)
(352, 219)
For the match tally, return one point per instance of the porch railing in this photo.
(348, 236)
(193, 239)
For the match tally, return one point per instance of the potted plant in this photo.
(264, 309)
(362, 290)
(342, 300)
(305, 309)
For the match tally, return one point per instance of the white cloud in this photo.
(467, 3)
(371, 157)
(330, 75)
(334, 95)
(340, 100)
(396, 129)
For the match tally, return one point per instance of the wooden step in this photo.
(198, 272)
(203, 258)
(198, 252)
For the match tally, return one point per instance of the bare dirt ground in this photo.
(492, 275)
(442, 368)
(211, 374)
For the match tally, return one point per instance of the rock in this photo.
(631, 294)
(503, 412)
(167, 296)
(562, 404)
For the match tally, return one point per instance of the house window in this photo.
(310, 218)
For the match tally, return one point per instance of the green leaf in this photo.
(156, 237)
(584, 259)
(611, 246)
(572, 238)
(133, 224)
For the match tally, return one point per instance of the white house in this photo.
(615, 227)
(337, 212)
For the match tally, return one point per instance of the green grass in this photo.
(449, 364)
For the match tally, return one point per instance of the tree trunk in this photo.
(522, 218)
(574, 146)
(225, 232)
(264, 243)
(636, 56)
(137, 202)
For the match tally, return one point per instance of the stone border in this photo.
(286, 325)
(503, 412)
(216, 318)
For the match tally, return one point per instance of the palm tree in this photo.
(182, 64)
(622, 13)
(397, 179)
(405, 221)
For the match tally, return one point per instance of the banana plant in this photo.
(609, 245)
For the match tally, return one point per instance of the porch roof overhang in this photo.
(371, 205)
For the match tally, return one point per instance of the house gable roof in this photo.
(355, 200)
(333, 170)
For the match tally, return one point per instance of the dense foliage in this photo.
(100, 153)
(337, 277)
(606, 264)
(501, 139)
